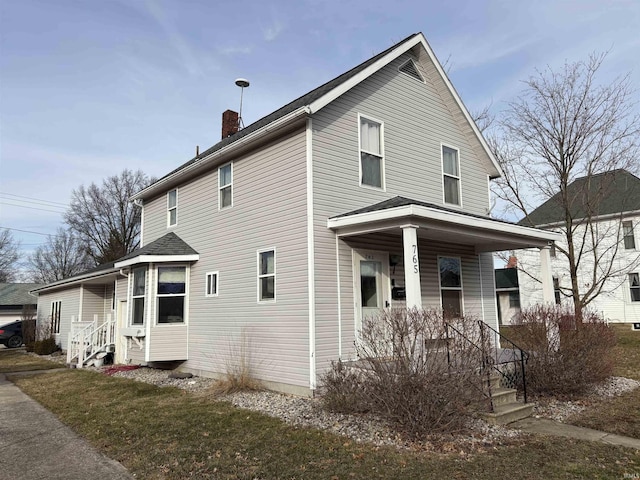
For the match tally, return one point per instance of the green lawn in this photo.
(164, 433)
(17, 360)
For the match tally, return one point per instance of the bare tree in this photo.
(62, 256)
(9, 255)
(104, 219)
(567, 126)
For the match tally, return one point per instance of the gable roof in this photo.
(607, 193)
(14, 294)
(312, 102)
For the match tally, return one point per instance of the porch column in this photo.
(411, 266)
(546, 276)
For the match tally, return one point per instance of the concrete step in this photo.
(507, 413)
(503, 396)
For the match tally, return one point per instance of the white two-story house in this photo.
(370, 191)
(605, 212)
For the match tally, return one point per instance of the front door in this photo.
(371, 282)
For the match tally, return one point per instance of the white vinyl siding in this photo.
(172, 208)
(418, 119)
(70, 308)
(227, 241)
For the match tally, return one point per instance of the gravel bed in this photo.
(561, 410)
(307, 412)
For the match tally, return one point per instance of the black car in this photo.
(11, 334)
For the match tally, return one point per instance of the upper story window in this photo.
(266, 275)
(634, 286)
(172, 290)
(138, 294)
(225, 186)
(371, 153)
(172, 207)
(628, 236)
(450, 286)
(451, 175)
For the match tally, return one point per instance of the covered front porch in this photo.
(406, 253)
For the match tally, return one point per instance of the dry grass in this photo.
(619, 415)
(17, 360)
(164, 433)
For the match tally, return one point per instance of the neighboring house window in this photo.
(552, 251)
(172, 208)
(56, 307)
(266, 275)
(139, 284)
(371, 156)
(212, 284)
(556, 289)
(451, 175)
(225, 186)
(634, 285)
(514, 300)
(450, 286)
(172, 290)
(627, 234)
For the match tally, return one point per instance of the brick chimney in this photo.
(513, 262)
(229, 123)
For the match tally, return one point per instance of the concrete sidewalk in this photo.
(546, 426)
(35, 445)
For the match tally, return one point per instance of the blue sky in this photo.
(88, 88)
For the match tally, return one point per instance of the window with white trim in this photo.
(451, 175)
(138, 295)
(628, 235)
(266, 275)
(56, 308)
(172, 207)
(557, 293)
(171, 293)
(225, 186)
(450, 286)
(211, 289)
(634, 286)
(371, 153)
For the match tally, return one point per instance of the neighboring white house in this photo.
(616, 235)
(371, 190)
(15, 300)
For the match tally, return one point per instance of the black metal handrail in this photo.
(508, 362)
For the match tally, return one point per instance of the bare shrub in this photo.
(239, 375)
(28, 318)
(566, 355)
(415, 370)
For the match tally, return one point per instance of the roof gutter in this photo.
(79, 278)
(261, 133)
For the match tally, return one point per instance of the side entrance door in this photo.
(371, 284)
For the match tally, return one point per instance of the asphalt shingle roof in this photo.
(169, 244)
(603, 194)
(299, 102)
(17, 293)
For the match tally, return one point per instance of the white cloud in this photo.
(234, 50)
(272, 32)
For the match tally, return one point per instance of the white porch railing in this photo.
(86, 339)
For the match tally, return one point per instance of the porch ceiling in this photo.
(483, 233)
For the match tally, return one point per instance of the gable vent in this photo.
(409, 68)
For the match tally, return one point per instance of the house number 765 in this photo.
(414, 248)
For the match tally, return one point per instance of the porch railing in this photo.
(86, 339)
(498, 355)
